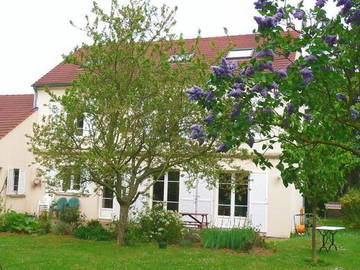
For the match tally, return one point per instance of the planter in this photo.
(162, 245)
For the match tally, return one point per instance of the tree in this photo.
(131, 101)
(311, 107)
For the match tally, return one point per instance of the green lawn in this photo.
(50, 252)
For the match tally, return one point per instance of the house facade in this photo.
(262, 201)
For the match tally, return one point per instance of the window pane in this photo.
(173, 206)
(241, 195)
(158, 191)
(240, 211)
(173, 192)
(16, 179)
(108, 193)
(224, 194)
(174, 176)
(224, 210)
(107, 203)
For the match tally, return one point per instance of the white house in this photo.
(264, 202)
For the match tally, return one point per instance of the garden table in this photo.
(203, 223)
(328, 235)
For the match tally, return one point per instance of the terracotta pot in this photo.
(300, 228)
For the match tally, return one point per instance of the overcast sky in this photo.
(35, 33)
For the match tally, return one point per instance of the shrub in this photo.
(93, 230)
(243, 239)
(350, 206)
(190, 237)
(62, 228)
(19, 223)
(44, 221)
(161, 225)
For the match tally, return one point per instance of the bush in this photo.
(18, 223)
(161, 225)
(243, 239)
(350, 206)
(44, 221)
(190, 237)
(93, 230)
(62, 228)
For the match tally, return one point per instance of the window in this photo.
(240, 54)
(186, 57)
(72, 183)
(80, 126)
(166, 190)
(233, 196)
(108, 198)
(15, 182)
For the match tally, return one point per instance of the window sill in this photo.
(16, 195)
(71, 194)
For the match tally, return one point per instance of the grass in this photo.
(50, 252)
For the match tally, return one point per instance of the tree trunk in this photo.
(313, 235)
(124, 212)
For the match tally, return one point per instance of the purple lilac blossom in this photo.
(341, 2)
(347, 6)
(251, 141)
(256, 88)
(236, 110)
(265, 53)
(307, 116)
(239, 86)
(290, 108)
(282, 73)
(354, 17)
(208, 120)
(224, 70)
(260, 4)
(341, 97)
(299, 14)
(267, 22)
(267, 109)
(263, 66)
(236, 93)
(264, 93)
(307, 75)
(195, 93)
(310, 58)
(274, 85)
(277, 94)
(354, 114)
(320, 3)
(198, 133)
(221, 148)
(280, 14)
(249, 117)
(330, 40)
(249, 71)
(209, 95)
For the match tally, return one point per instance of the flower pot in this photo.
(162, 245)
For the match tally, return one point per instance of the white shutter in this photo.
(10, 182)
(22, 182)
(186, 195)
(86, 126)
(258, 200)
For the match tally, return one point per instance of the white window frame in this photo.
(10, 182)
(232, 198)
(165, 200)
(106, 198)
(232, 54)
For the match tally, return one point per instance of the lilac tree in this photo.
(311, 107)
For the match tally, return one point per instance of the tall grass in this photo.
(237, 238)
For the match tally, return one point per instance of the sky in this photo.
(36, 33)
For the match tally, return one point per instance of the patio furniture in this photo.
(332, 206)
(328, 236)
(198, 220)
(303, 219)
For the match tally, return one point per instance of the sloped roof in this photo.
(14, 109)
(63, 74)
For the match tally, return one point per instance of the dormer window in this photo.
(186, 57)
(240, 54)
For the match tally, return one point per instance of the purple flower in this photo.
(263, 66)
(225, 69)
(341, 2)
(208, 120)
(266, 22)
(280, 14)
(290, 108)
(346, 7)
(277, 94)
(236, 93)
(195, 93)
(221, 148)
(260, 4)
(267, 109)
(273, 85)
(330, 40)
(307, 75)
(251, 141)
(265, 53)
(341, 97)
(239, 86)
(264, 93)
(354, 17)
(320, 3)
(249, 71)
(198, 133)
(307, 116)
(209, 95)
(282, 73)
(310, 58)
(249, 117)
(354, 114)
(299, 14)
(236, 110)
(256, 87)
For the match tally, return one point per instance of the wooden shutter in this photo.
(10, 182)
(22, 182)
(186, 195)
(258, 200)
(86, 126)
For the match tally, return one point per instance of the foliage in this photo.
(62, 228)
(18, 223)
(93, 230)
(350, 207)
(68, 210)
(44, 221)
(243, 239)
(161, 225)
(190, 237)
(130, 98)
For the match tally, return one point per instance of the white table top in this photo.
(330, 228)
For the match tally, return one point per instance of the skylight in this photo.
(181, 57)
(240, 54)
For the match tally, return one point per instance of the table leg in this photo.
(325, 239)
(332, 242)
